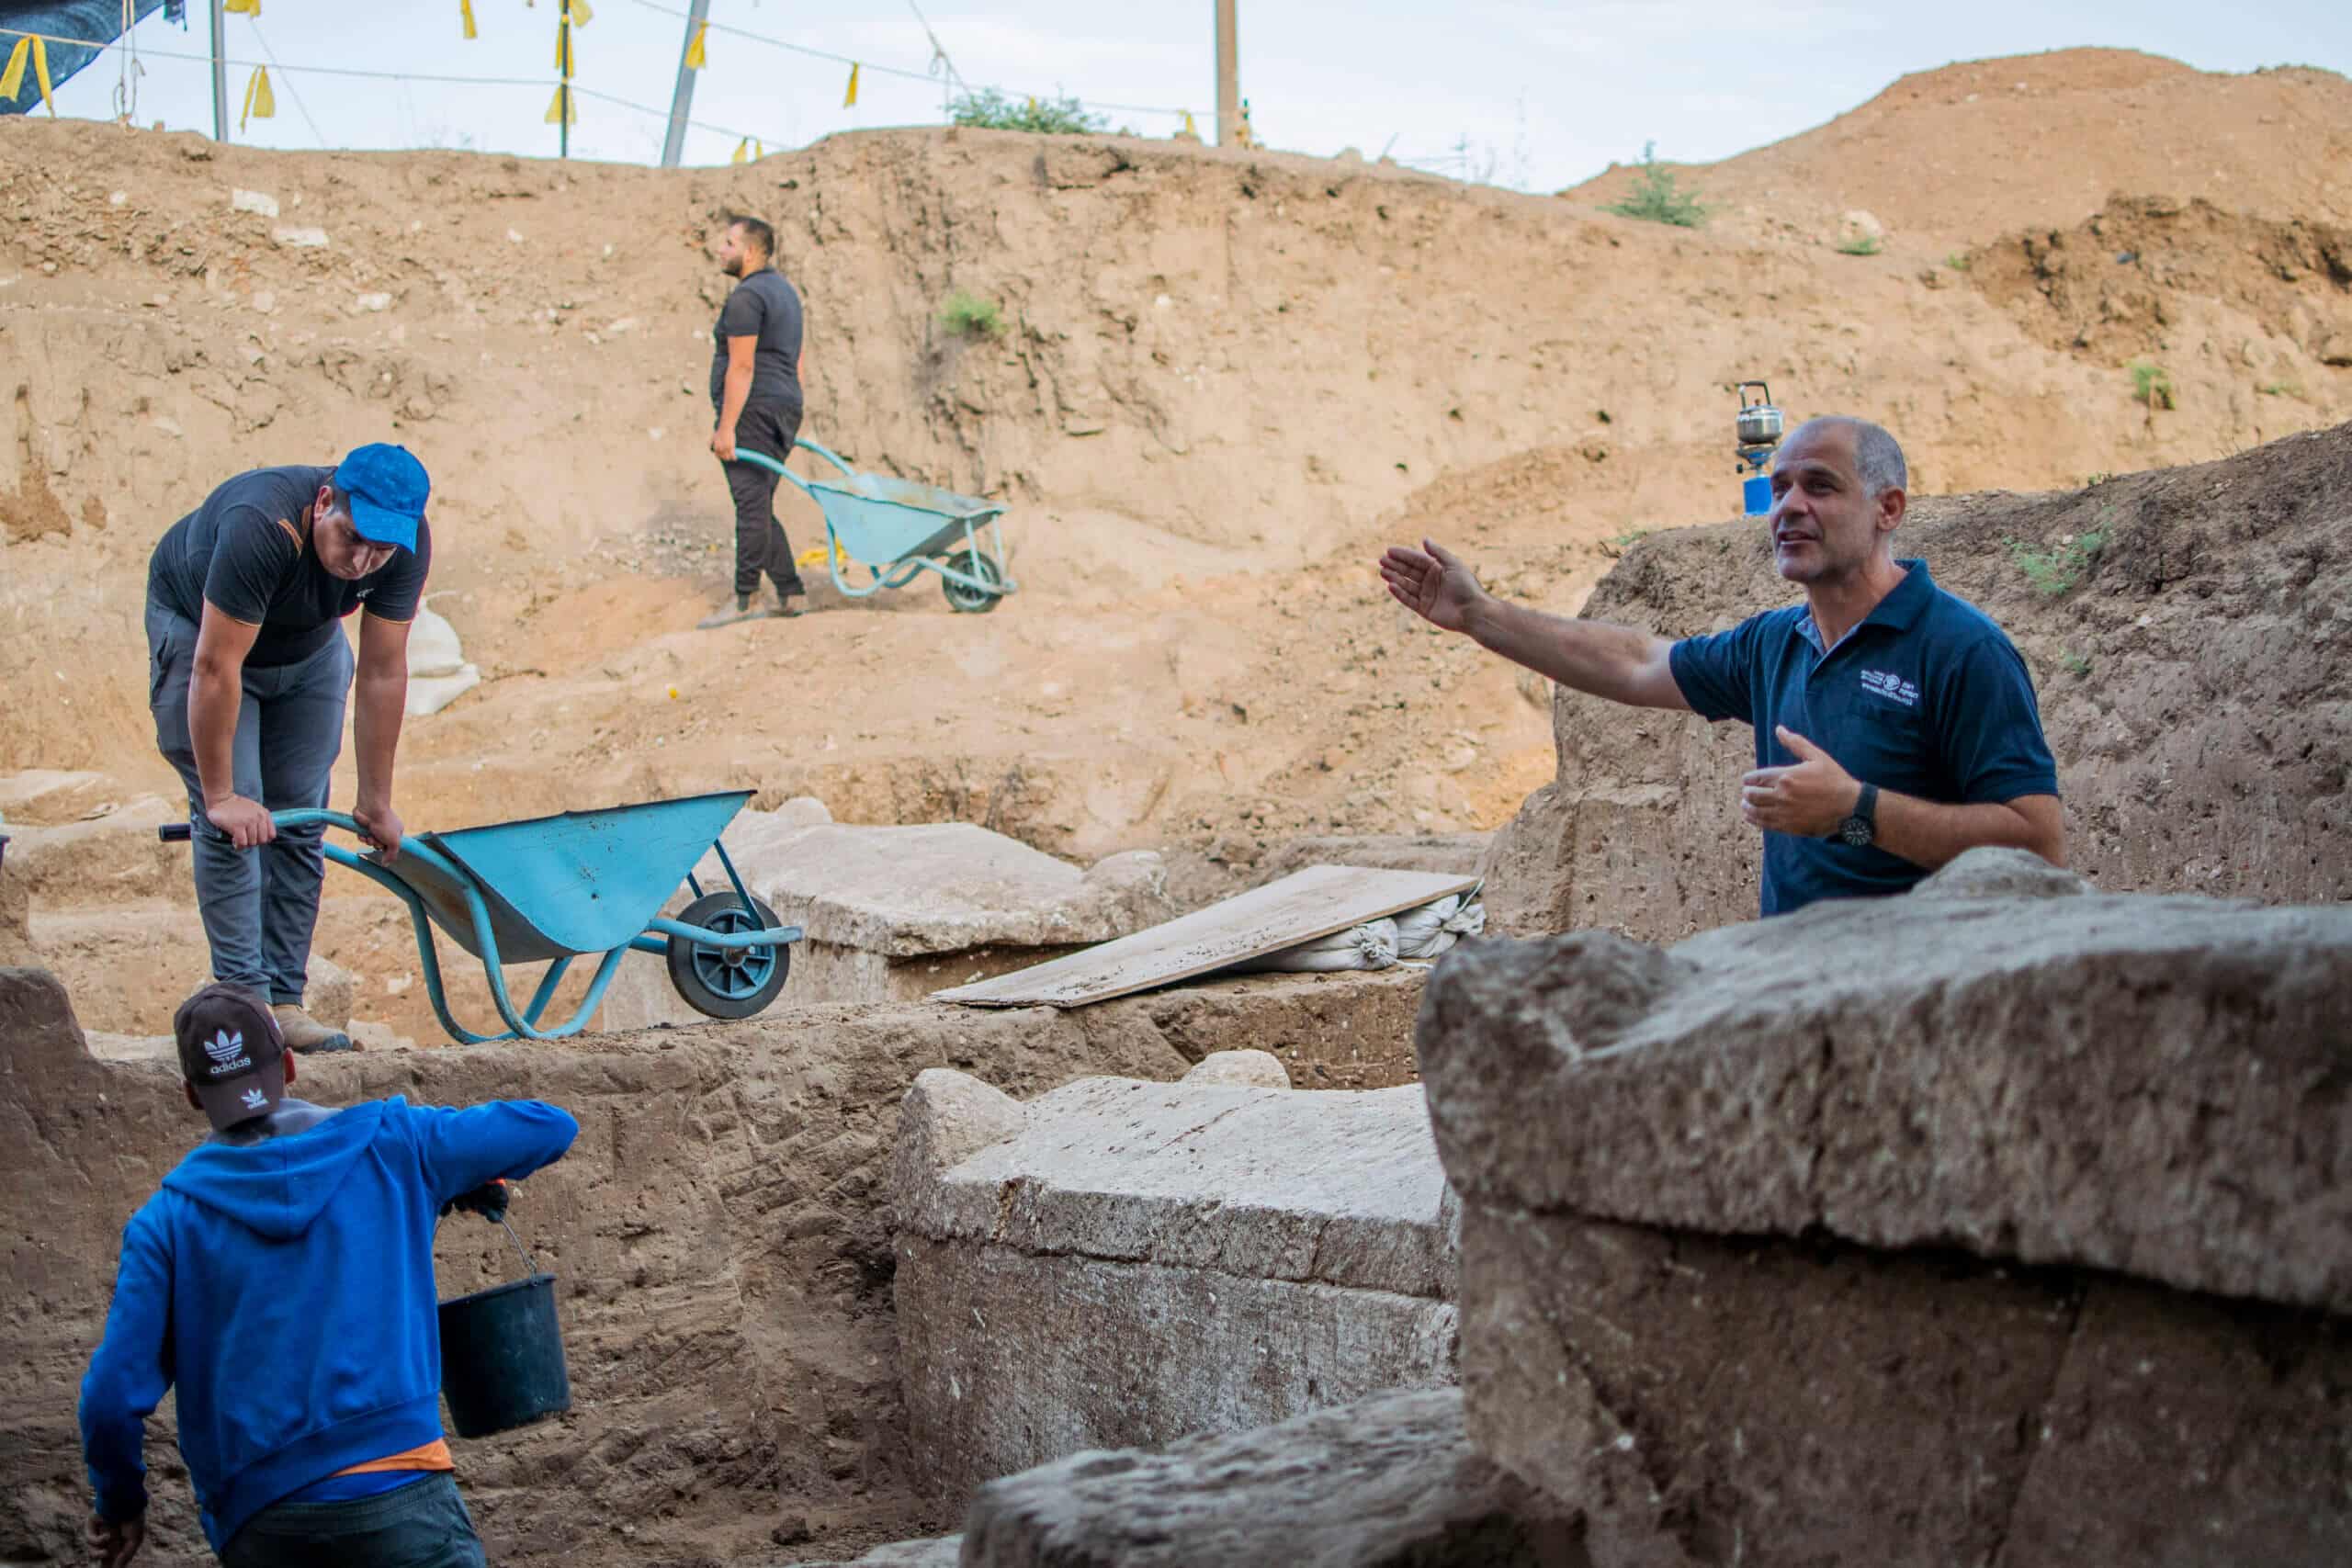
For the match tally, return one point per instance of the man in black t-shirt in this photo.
(755, 391)
(248, 672)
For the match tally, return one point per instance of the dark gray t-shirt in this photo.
(245, 551)
(763, 306)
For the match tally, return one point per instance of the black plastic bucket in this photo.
(501, 1358)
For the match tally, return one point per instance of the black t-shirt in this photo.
(246, 552)
(763, 306)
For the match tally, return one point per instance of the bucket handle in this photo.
(530, 1264)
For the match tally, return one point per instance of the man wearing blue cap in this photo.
(248, 672)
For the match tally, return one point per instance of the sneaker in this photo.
(304, 1035)
(739, 608)
(784, 597)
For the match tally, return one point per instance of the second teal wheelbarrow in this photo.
(896, 529)
(556, 888)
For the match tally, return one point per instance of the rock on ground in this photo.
(1390, 1480)
(1125, 1262)
(1999, 1222)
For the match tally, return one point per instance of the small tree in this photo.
(1657, 199)
(991, 110)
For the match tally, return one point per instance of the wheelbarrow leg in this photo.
(742, 892)
(546, 993)
(426, 956)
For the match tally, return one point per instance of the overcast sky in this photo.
(1531, 94)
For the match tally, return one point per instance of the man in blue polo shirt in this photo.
(248, 672)
(1896, 724)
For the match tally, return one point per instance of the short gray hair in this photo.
(1878, 456)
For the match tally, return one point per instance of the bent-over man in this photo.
(248, 672)
(1896, 724)
(282, 1279)
(755, 392)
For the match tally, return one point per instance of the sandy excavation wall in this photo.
(1125, 1263)
(2029, 1249)
(722, 1231)
(2191, 666)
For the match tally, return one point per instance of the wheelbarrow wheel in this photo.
(722, 982)
(973, 601)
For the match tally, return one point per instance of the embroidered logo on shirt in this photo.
(1891, 687)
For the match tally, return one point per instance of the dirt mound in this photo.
(2187, 647)
(2113, 287)
(1972, 150)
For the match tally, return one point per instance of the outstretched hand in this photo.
(1808, 798)
(1433, 582)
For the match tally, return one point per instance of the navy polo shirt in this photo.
(1927, 697)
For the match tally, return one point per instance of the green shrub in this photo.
(971, 316)
(2053, 571)
(991, 110)
(2151, 384)
(2077, 664)
(2281, 389)
(1860, 245)
(1657, 199)
(1957, 261)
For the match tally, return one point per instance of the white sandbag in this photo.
(431, 693)
(432, 647)
(1429, 931)
(1372, 945)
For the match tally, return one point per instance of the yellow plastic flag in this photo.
(1190, 129)
(581, 15)
(559, 108)
(242, 8)
(695, 60)
(563, 53)
(260, 102)
(12, 81)
(849, 100)
(466, 14)
(749, 148)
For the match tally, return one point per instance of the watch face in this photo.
(1855, 830)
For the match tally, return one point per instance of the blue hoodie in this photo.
(286, 1287)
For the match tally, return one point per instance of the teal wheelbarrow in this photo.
(895, 530)
(586, 883)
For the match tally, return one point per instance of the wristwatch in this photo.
(1861, 827)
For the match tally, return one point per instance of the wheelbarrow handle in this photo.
(182, 832)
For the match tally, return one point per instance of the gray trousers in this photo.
(422, 1525)
(259, 906)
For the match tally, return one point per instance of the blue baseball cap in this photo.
(388, 489)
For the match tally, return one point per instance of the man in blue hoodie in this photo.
(283, 1279)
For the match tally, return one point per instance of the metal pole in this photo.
(563, 93)
(682, 98)
(219, 75)
(1229, 78)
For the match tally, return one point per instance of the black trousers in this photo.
(760, 544)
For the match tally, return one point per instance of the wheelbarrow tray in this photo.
(560, 886)
(879, 521)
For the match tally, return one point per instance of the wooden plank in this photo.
(1301, 907)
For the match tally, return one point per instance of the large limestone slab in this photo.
(2160, 1085)
(2001, 1223)
(1124, 1262)
(1389, 1480)
(894, 913)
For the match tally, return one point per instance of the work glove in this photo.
(489, 1201)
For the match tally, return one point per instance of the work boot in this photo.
(742, 610)
(304, 1035)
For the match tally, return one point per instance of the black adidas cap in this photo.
(231, 1053)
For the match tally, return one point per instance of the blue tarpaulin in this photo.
(94, 22)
